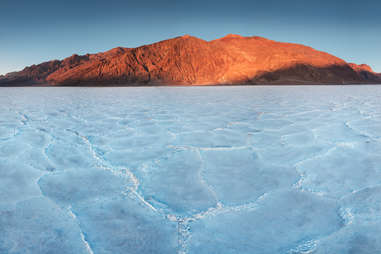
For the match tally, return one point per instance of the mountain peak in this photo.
(188, 36)
(228, 36)
(185, 37)
(361, 67)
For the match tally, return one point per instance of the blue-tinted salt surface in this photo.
(201, 170)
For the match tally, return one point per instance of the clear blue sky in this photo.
(33, 31)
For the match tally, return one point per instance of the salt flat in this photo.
(198, 170)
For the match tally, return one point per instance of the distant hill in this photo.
(188, 60)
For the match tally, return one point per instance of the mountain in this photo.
(188, 60)
(365, 71)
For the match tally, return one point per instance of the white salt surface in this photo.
(200, 170)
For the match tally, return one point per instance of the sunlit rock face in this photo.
(188, 60)
(365, 71)
(191, 170)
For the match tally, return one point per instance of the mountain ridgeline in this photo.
(188, 60)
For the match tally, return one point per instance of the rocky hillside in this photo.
(188, 60)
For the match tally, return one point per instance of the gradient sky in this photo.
(33, 31)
